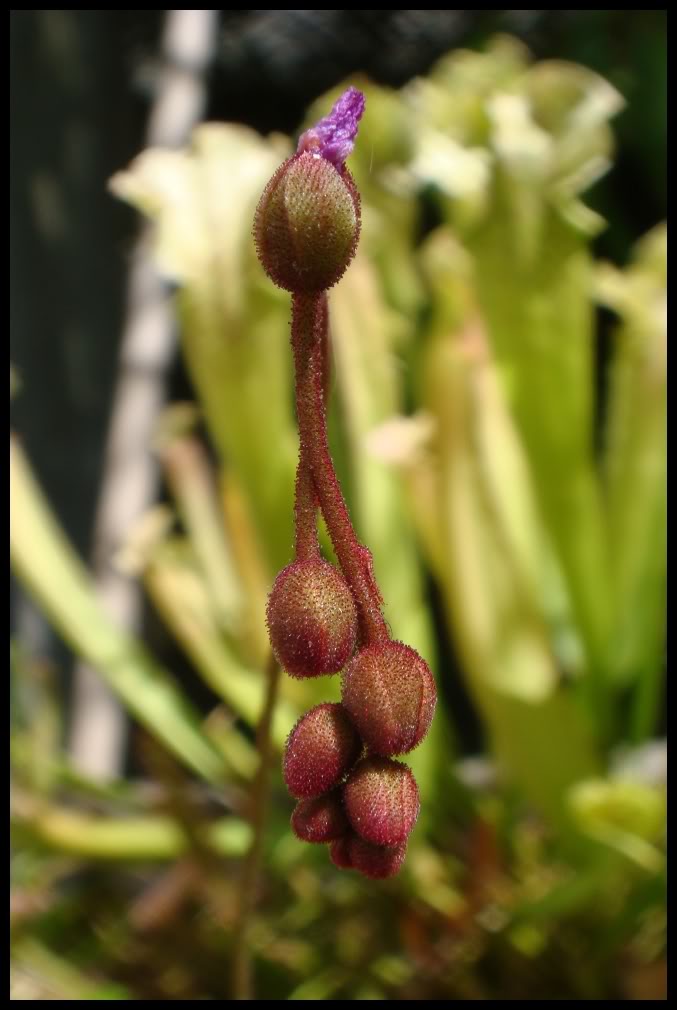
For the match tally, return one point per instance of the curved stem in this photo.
(309, 335)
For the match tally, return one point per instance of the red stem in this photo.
(309, 335)
(306, 540)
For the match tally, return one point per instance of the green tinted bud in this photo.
(307, 224)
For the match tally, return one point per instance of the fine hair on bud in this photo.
(378, 862)
(321, 819)
(389, 693)
(322, 747)
(307, 224)
(339, 853)
(381, 800)
(312, 619)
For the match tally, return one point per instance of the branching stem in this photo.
(309, 337)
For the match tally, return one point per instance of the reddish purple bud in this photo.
(321, 748)
(334, 136)
(321, 819)
(307, 224)
(312, 619)
(381, 800)
(390, 695)
(339, 853)
(376, 861)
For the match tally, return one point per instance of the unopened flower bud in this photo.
(321, 819)
(311, 619)
(307, 222)
(390, 695)
(322, 747)
(339, 853)
(381, 800)
(376, 861)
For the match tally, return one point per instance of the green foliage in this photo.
(464, 419)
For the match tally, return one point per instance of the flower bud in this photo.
(321, 819)
(376, 861)
(307, 224)
(339, 853)
(321, 748)
(389, 693)
(312, 619)
(381, 800)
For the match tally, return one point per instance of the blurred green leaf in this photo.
(234, 325)
(39, 973)
(635, 458)
(45, 562)
(147, 838)
(538, 136)
(627, 816)
(178, 591)
(192, 483)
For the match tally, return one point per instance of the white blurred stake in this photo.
(98, 727)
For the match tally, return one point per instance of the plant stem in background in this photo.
(241, 963)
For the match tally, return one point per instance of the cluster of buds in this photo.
(339, 760)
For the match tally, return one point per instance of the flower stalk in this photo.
(338, 760)
(309, 335)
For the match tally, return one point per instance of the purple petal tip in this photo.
(333, 137)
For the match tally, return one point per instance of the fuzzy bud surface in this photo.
(307, 224)
(389, 693)
(312, 619)
(381, 800)
(321, 819)
(321, 748)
